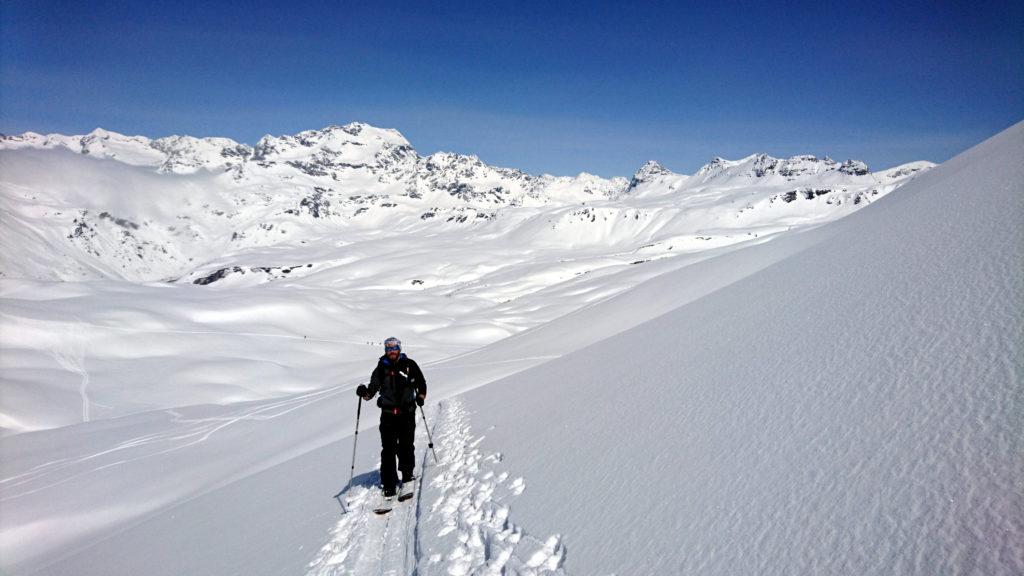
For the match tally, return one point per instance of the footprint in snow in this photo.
(458, 524)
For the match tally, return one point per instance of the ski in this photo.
(385, 506)
(406, 491)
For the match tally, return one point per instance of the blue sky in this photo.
(541, 86)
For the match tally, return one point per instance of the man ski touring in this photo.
(402, 387)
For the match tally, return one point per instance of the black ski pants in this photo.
(396, 436)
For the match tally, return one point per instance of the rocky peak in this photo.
(356, 133)
(764, 165)
(187, 154)
(354, 144)
(650, 169)
(908, 169)
(649, 172)
(27, 140)
(854, 168)
(100, 140)
(716, 165)
(100, 143)
(804, 164)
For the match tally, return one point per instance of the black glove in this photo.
(420, 400)
(361, 391)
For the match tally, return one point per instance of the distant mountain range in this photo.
(176, 208)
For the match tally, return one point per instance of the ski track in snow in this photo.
(188, 433)
(70, 355)
(457, 524)
(82, 329)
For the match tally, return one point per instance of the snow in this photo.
(853, 408)
(458, 522)
(840, 397)
(247, 284)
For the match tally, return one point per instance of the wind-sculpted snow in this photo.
(852, 408)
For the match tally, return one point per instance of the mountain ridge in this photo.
(182, 207)
(269, 145)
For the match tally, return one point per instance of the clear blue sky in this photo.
(541, 86)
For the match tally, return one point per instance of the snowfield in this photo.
(800, 394)
(852, 409)
(240, 273)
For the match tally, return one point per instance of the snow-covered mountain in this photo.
(843, 398)
(187, 209)
(443, 248)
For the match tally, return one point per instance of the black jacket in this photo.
(398, 383)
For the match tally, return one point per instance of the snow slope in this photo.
(841, 399)
(852, 409)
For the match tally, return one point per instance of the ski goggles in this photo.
(392, 348)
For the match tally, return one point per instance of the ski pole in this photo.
(427, 427)
(355, 442)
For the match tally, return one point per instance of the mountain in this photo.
(444, 249)
(843, 398)
(185, 209)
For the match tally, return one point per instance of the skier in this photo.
(402, 387)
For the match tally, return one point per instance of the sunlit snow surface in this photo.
(841, 399)
(308, 250)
